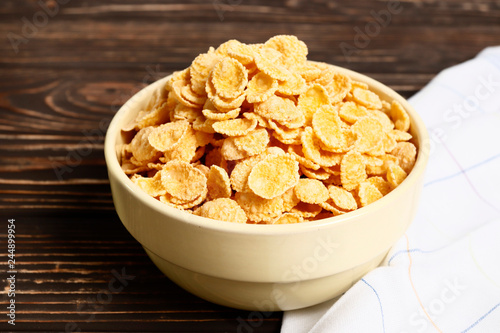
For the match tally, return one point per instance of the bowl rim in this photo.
(137, 99)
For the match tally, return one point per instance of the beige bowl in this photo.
(264, 267)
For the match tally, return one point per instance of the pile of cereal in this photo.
(259, 134)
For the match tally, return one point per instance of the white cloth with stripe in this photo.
(444, 274)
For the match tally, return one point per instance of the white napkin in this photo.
(443, 275)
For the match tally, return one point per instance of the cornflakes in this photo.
(256, 133)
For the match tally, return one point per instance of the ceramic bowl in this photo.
(265, 267)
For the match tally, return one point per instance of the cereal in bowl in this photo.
(256, 133)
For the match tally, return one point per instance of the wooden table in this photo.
(67, 66)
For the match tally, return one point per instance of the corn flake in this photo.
(282, 110)
(306, 210)
(222, 209)
(259, 209)
(400, 117)
(235, 127)
(288, 218)
(311, 191)
(406, 153)
(342, 198)
(352, 170)
(368, 193)
(229, 78)
(395, 175)
(294, 51)
(295, 140)
(309, 101)
(151, 185)
(328, 128)
(381, 184)
(312, 150)
(351, 112)
(183, 181)
(218, 183)
(260, 88)
(273, 176)
(367, 98)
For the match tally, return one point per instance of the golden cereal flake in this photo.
(384, 119)
(294, 51)
(201, 67)
(183, 204)
(241, 171)
(296, 152)
(210, 112)
(188, 94)
(367, 98)
(311, 191)
(351, 112)
(261, 120)
(282, 110)
(154, 117)
(352, 170)
(338, 87)
(358, 84)
(330, 206)
(400, 117)
(230, 151)
(203, 124)
(327, 126)
(306, 210)
(239, 175)
(259, 209)
(260, 88)
(400, 135)
(168, 136)
(182, 112)
(182, 180)
(142, 151)
(388, 142)
(235, 127)
(406, 152)
(151, 185)
(288, 218)
(380, 170)
(273, 176)
(203, 168)
(224, 104)
(229, 78)
(342, 198)
(185, 150)
(296, 85)
(310, 100)
(215, 157)
(319, 174)
(285, 132)
(268, 61)
(309, 71)
(254, 142)
(369, 133)
(290, 199)
(218, 183)
(222, 209)
(381, 184)
(242, 52)
(368, 193)
(312, 150)
(395, 175)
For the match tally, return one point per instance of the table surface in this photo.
(67, 66)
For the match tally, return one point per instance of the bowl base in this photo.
(262, 296)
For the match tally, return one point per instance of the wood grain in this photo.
(62, 84)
